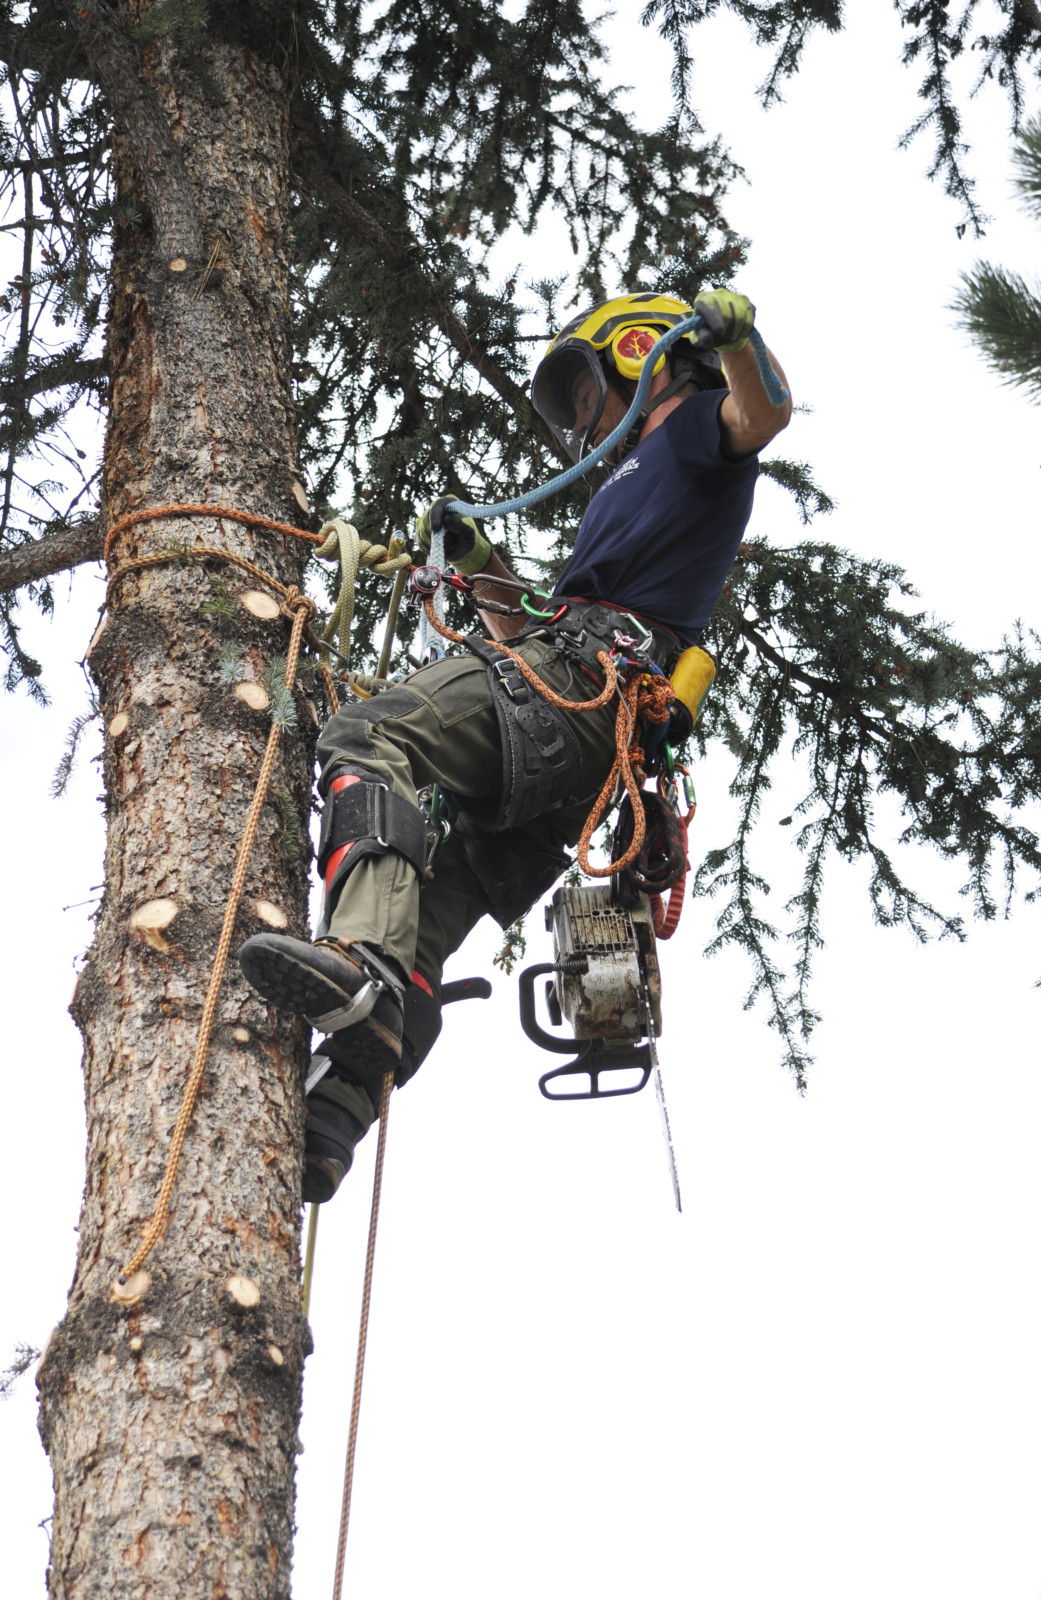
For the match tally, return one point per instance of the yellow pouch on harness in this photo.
(691, 677)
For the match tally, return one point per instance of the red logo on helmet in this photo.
(636, 343)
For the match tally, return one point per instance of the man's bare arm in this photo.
(746, 417)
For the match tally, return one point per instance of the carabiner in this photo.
(542, 616)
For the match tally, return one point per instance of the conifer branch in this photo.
(56, 552)
(401, 255)
(56, 376)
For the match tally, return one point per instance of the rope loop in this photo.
(296, 601)
(341, 542)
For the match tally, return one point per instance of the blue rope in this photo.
(776, 393)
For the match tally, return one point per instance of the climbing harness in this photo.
(641, 698)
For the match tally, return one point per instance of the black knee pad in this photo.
(419, 1033)
(361, 818)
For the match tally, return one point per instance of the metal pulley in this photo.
(424, 582)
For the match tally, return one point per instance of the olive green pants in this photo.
(440, 726)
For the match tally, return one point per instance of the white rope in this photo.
(431, 645)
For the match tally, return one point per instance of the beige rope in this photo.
(300, 608)
(341, 542)
(363, 1335)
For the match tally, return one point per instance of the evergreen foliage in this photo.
(882, 703)
(420, 133)
(1000, 310)
(939, 35)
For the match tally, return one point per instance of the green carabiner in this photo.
(542, 616)
(670, 761)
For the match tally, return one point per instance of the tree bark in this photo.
(170, 1416)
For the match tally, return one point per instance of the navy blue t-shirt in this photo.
(661, 534)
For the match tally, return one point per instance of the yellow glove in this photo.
(729, 319)
(465, 545)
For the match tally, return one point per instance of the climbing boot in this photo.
(335, 987)
(329, 1142)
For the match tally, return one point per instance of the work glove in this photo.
(729, 319)
(465, 545)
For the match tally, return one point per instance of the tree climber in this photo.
(656, 542)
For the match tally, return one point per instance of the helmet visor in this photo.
(568, 391)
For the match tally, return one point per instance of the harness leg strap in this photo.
(362, 818)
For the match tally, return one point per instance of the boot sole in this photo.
(291, 984)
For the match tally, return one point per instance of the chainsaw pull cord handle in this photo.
(776, 393)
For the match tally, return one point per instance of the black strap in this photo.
(374, 820)
(588, 627)
(541, 755)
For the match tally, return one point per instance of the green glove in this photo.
(465, 545)
(729, 320)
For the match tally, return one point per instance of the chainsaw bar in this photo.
(659, 1095)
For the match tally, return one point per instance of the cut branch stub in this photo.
(253, 695)
(135, 1288)
(118, 725)
(150, 919)
(243, 1291)
(273, 915)
(261, 604)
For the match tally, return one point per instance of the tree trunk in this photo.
(171, 1416)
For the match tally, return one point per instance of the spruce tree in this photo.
(997, 307)
(253, 239)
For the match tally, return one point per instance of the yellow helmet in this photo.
(612, 340)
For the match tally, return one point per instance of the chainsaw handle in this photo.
(600, 1058)
(530, 1023)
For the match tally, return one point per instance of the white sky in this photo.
(823, 1379)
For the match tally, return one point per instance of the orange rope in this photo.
(195, 552)
(158, 513)
(528, 671)
(644, 697)
(363, 1335)
(300, 608)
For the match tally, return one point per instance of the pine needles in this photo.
(1000, 310)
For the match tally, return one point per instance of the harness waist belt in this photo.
(589, 626)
